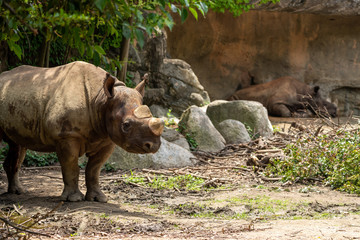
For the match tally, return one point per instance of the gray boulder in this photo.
(252, 114)
(195, 123)
(158, 110)
(233, 131)
(173, 136)
(169, 155)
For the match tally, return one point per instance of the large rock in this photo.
(173, 136)
(168, 156)
(172, 84)
(183, 88)
(197, 125)
(251, 114)
(234, 132)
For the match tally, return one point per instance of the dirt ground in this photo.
(242, 205)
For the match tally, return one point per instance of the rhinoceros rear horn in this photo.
(109, 83)
(156, 126)
(142, 111)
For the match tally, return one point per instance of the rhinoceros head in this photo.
(321, 106)
(129, 123)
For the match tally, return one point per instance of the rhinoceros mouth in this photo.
(141, 150)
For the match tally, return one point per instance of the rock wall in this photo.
(320, 50)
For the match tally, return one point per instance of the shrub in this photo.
(332, 159)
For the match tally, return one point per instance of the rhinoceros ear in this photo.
(141, 86)
(109, 83)
(316, 89)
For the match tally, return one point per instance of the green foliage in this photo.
(236, 7)
(189, 136)
(109, 167)
(93, 28)
(170, 119)
(33, 159)
(191, 140)
(335, 160)
(181, 182)
(129, 80)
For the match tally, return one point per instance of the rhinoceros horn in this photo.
(142, 111)
(156, 126)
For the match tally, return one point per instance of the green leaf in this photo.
(140, 37)
(15, 38)
(162, 2)
(126, 31)
(184, 14)
(96, 59)
(81, 48)
(15, 48)
(194, 12)
(100, 4)
(186, 3)
(99, 50)
(173, 8)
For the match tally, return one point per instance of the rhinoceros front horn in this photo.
(156, 126)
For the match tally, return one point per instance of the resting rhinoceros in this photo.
(72, 110)
(286, 97)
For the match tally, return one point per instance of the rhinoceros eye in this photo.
(126, 126)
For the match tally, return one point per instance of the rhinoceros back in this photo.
(40, 105)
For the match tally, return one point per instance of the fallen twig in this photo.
(19, 227)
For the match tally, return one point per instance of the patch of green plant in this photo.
(192, 142)
(35, 159)
(109, 167)
(32, 159)
(189, 136)
(170, 119)
(129, 80)
(251, 132)
(261, 203)
(181, 182)
(335, 160)
(276, 129)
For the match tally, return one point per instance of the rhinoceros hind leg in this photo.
(92, 172)
(68, 153)
(279, 110)
(12, 166)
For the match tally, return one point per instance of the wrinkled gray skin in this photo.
(72, 110)
(288, 97)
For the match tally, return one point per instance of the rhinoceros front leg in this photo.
(68, 154)
(12, 166)
(92, 173)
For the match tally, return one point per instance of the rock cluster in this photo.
(211, 127)
(173, 84)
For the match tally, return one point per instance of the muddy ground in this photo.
(234, 203)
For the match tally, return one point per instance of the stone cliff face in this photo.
(319, 49)
(334, 7)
